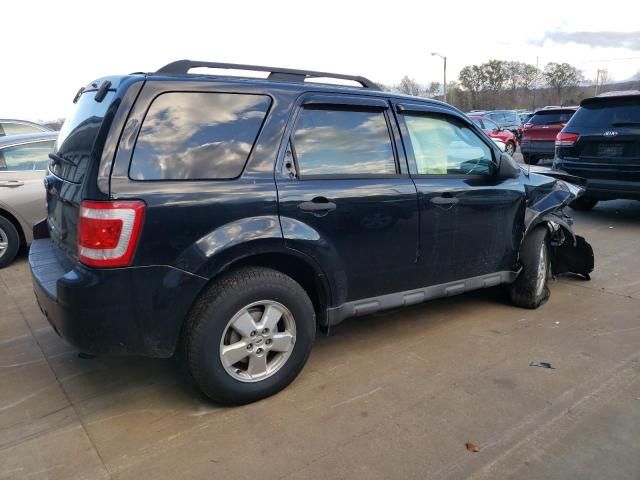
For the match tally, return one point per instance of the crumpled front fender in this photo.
(569, 253)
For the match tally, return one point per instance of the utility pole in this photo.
(444, 86)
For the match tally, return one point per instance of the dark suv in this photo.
(227, 217)
(601, 143)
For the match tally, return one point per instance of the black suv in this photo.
(601, 143)
(227, 218)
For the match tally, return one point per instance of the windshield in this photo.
(550, 117)
(78, 135)
(609, 113)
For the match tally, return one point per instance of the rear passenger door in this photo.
(469, 218)
(345, 195)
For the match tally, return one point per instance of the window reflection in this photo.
(194, 135)
(441, 147)
(29, 156)
(329, 142)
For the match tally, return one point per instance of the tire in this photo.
(530, 290)
(529, 160)
(583, 203)
(9, 242)
(510, 148)
(248, 292)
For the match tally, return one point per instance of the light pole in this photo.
(444, 88)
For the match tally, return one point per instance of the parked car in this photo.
(601, 143)
(226, 218)
(507, 119)
(20, 127)
(23, 163)
(492, 129)
(539, 133)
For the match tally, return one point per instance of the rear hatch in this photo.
(74, 162)
(609, 137)
(544, 125)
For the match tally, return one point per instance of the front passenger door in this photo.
(469, 218)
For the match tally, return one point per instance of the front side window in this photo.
(28, 156)
(197, 136)
(19, 128)
(490, 124)
(343, 142)
(443, 146)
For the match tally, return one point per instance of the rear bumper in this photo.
(599, 188)
(538, 148)
(136, 310)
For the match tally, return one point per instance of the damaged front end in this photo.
(548, 193)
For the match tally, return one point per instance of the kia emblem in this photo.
(610, 133)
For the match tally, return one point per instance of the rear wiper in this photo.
(622, 124)
(58, 159)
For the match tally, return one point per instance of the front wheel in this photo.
(510, 148)
(249, 335)
(530, 290)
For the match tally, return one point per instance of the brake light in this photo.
(108, 232)
(566, 139)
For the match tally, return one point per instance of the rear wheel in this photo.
(9, 242)
(249, 335)
(530, 289)
(583, 203)
(510, 148)
(529, 160)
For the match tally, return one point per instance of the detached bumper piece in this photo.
(570, 253)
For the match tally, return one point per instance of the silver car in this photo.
(23, 165)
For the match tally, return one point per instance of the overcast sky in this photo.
(57, 46)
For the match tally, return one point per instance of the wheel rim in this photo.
(258, 341)
(4, 242)
(510, 149)
(542, 270)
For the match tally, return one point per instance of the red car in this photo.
(492, 129)
(540, 131)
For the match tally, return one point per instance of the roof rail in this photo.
(182, 67)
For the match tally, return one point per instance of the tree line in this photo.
(508, 84)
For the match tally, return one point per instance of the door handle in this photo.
(11, 183)
(444, 200)
(317, 205)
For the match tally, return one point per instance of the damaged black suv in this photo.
(227, 217)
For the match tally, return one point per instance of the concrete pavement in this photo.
(395, 395)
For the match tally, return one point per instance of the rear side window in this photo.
(443, 146)
(197, 136)
(551, 117)
(343, 142)
(608, 113)
(28, 156)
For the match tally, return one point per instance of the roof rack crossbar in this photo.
(182, 67)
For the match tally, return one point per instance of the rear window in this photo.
(27, 156)
(197, 136)
(550, 117)
(78, 136)
(608, 113)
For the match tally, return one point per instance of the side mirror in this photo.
(507, 168)
(500, 129)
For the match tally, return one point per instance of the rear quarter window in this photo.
(197, 136)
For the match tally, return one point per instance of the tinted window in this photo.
(78, 136)
(28, 156)
(195, 135)
(442, 147)
(608, 113)
(19, 129)
(550, 117)
(329, 142)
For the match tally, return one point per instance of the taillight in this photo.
(108, 232)
(566, 139)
